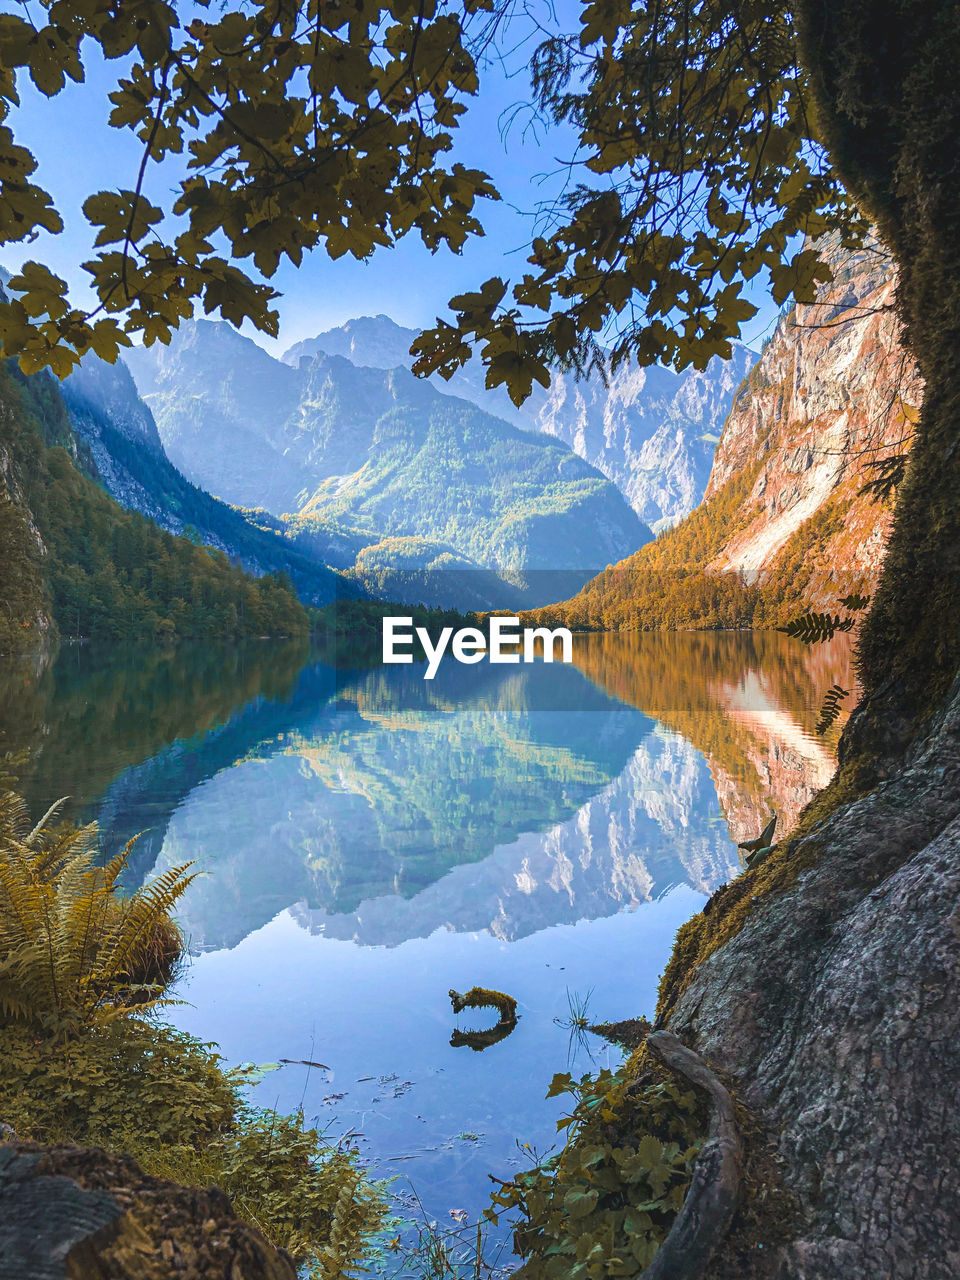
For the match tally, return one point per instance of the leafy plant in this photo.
(309, 1197)
(603, 1205)
(79, 963)
(73, 950)
(163, 1097)
(817, 628)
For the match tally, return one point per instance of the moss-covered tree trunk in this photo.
(826, 983)
(885, 79)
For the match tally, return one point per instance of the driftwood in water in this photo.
(708, 1209)
(483, 998)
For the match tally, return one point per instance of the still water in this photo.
(368, 840)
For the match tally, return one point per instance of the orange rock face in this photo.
(832, 394)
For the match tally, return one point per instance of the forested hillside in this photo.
(110, 419)
(73, 560)
(353, 456)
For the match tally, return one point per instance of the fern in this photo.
(831, 708)
(815, 628)
(73, 949)
(855, 602)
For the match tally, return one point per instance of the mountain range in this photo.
(338, 467)
(651, 431)
(376, 471)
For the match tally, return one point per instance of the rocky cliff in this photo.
(832, 396)
(785, 523)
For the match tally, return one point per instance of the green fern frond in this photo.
(815, 628)
(139, 916)
(831, 708)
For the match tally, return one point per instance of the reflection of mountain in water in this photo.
(496, 798)
(656, 824)
(385, 791)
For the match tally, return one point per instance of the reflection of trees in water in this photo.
(748, 701)
(86, 715)
(386, 783)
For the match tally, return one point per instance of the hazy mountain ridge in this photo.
(651, 431)
(357, 455)
(109, 417)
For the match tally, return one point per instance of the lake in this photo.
(368, 840)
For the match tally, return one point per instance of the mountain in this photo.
(833, 393)
(121, 438)
(72, 559)
(356, 458)
(785, 522)
(651, 431)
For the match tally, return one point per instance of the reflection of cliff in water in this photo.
(748, 701)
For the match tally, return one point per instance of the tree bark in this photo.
(884, 82)
(835, 1010)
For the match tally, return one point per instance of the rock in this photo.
(832, 392)
(79, 1213)
(834, 1014)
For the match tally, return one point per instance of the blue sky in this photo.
(79, 154)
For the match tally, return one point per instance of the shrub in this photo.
(73, 950)
(604, 1204)
(79, 965)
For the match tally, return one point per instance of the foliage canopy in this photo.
(300, 124)
(698, 168)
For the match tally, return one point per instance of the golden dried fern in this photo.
(73, 948)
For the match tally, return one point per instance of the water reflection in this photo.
(378, 806)
(370, 840)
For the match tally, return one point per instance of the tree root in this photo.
(708, 1209)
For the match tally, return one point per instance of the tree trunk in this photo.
(885, 83)
(835, 1011)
